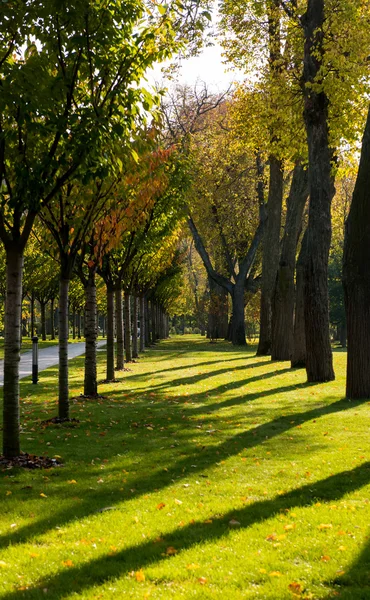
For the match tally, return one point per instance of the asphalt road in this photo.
(48, 357)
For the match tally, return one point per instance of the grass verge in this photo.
(206, 473)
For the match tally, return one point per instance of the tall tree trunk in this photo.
(270, 256)
(103, 328)
(32, 310)
(79, 324)
(142, 324)
(43, 320)
(319, 359)
(283, 299)
(356, 278)
(135, 311)
(238, 319)
(153, 323)
(128, 328)
(63, 401)
(119, 329)
(147, 323)
(52, 324)
(74, 324)
(343, 334)
(218, 309)
(12, 349)
(91, 332)
(110, 334)
(299, 338)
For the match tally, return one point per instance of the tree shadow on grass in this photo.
(97, 572)
(161, 478)
(354, 584)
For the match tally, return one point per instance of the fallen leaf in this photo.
(139, 575)
(192, 566)
(325, 526)
(325, 558)
(43, 495)
(8, 493)
(68, 563)
(171, 550)
(290, 526)
(275, 574)
(160, 505)
(234, 523)
(178, 501)
(72, 481)
(202, 580)
(295, 587)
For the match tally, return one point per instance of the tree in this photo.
(62, 97)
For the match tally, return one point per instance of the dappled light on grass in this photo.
(201, 473)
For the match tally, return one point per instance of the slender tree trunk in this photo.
(32, 310)
(110, 334)
(43, 320)
(343, 334)
(79, 324)
(142, 324)
(299, 338)
(103, 331)
(319, 359)
(128, 328)
(147, 323)
(12, 348)
(52, 325)
(63, 402)
(91, 332)
(356, 278)
(238, 320)
(153, 323)
(74, 325)
(119, 328)
(283, 300)
(270, 256)
(135, 353)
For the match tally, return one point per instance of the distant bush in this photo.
(188, 330)
(196, 330)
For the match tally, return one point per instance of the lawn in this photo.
(205, 473)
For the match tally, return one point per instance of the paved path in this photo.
(48, 357)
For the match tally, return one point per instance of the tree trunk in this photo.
(343, 334)
(147, 323)
(110, 334)
(79, 324)
(283, 300)
(218, 310)
(12, 348)
(299, 337)
(63, 401)
(153, 323)
(238, 320)
(74, 325)
(119, 329)
(91, 332)
(134, 328)
(142, 324)
(43, 320)
(32, 310)
(128, 328)
(319, 359)
(356, 278)
(52, 325)
(270, 256)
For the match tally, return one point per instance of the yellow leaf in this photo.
(72, 481)
(275, 574)
(295, 587)
(325, 558)
(290, 526)
(43, 495)
(171, 550)
(342, 548)
(8, 493)
(192, 566)
(160, 505)
(202, 580)
(325, 526)
(177, 501)
(139, 575)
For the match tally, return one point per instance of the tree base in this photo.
(59, 421)
(28, 461)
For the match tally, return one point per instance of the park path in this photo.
(48, 357)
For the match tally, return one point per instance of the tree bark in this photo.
(110, 334)
(79, 319)
(32, 310)
(63, 401)
(52, 324)
(147, 323)
(356, 278)
(319, 359)
(12, 349)
(270, 256)
(343, 334)
(153, 323)
(119, 329)
(74, 325)
(142, 324)
(128, 328)
(238, 320)
(283, 299)
(135, 311)
(43, 320)
(91, 332)
(299, 338)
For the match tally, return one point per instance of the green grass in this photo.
(194, 437)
